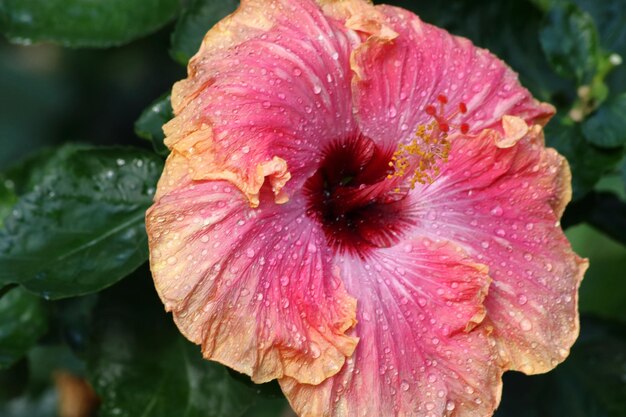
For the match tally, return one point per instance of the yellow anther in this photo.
(429, 148)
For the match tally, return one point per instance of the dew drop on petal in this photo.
(315, 350)
(525, 325)
(522, 299)
(497, 211)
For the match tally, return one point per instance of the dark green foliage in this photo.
(83, 23)
(24, 321)
(194, 21)
(59, 237)
(149, 126)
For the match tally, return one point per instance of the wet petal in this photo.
(398, 78)
(253, 286)
(420, 353)
(503, 206)
(270, 81)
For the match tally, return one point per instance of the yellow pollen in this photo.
(423, 155)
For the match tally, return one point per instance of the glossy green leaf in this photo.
(570, 42)
(83, 23)
(149, 126)
(607, 126)
(24, 176)
(23, 321)
(140, 365)
(194, 22)
(82, 228)
(588, 163)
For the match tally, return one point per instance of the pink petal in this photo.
(503, 206)
(271, 80)
(397, 79)
(253, 286)
(420, 353)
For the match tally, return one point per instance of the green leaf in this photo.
(607, 126)
(612, 15)
(570, 42)
(26, 175)
(194, 22)
(23, 322)
(83, 23)
(7, 198)
(141, 366)
(82, 228)
(149, 126)
(588, 163)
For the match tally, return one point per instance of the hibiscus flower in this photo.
(361, 205)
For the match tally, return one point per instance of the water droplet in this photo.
(315, 350)
(484, 244)
(522, 299)
(497, 211)
(525, 325)
(250, 253)
(404, 386)
(317, 89)
(171, 260)
(284, 281)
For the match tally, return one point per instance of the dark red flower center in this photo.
(353, 198)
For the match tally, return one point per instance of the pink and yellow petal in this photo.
(503, 205)
(254, 287)
(422, 351)
(270, 81)
(396, 79)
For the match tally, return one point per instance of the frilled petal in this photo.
(268, 88)
(421, 352)
(503, 205)
(254, 286)
(396, 79)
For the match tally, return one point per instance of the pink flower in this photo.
(361, 206)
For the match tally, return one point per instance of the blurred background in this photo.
(61, 82)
